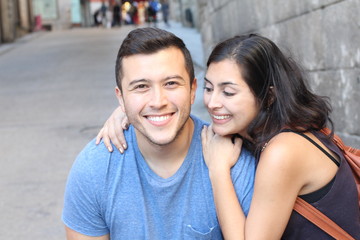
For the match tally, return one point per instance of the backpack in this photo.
(352, 156)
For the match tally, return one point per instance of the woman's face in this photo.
(230, 102)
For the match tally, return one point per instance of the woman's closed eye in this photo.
(208, 89)
(228, 94)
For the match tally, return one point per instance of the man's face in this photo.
(157, 95)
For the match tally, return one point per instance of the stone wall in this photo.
(323, 35)
(181, 10)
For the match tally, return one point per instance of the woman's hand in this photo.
(113, 131)
(220, 153)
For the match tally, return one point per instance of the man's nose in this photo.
(158, 98)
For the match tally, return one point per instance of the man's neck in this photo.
(165, 160)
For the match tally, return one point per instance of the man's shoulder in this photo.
(95, 150)
(92, 156)
(98, 154)
(246, 161)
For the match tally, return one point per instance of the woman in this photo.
(253, 91)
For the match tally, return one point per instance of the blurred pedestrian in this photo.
(165, 12)
(133, 12)
(103, 10)
(152, 12)
(116, 14)
(97, 18)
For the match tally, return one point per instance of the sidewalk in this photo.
(56, 91)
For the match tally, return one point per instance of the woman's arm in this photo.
(278, 180)
(289, 166)
(113, 131)
(279, 177)
(220, 155)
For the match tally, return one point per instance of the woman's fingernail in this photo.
(109, 148)
(124, 145)
(121, 150)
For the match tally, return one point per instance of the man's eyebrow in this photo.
(174, 76)
(136, 81)
(144, 80)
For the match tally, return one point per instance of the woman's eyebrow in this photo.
(221, 84)
(226, 83)
(207, 80)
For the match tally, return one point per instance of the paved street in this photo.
(56, 90)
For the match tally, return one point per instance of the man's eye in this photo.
(141, 86)
(172, 83)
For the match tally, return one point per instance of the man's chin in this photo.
(161, 142)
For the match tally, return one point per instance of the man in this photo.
(160, 187)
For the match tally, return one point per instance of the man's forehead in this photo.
(169, 58)
(169, 51)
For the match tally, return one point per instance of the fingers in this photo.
(238, 142)
(117, 135)
(99, 136)
(106, 139)
(203, 134)
(125, 123)
(204, 138)
(104, 135)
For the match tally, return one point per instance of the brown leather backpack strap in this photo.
(321, 220)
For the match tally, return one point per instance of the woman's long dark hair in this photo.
(279, 85)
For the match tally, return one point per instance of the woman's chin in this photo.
(222, 131)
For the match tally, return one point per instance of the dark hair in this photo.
(279, 86)
(148, 41)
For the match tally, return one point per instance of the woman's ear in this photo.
(271, 96)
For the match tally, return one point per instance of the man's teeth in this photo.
(221, 117)
(159, 118)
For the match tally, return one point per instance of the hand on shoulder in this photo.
(220, 153)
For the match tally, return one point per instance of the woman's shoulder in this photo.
(285, 154)
(285, 145)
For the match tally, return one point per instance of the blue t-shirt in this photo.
(118, 194)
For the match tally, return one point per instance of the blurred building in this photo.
(19, 17)
(16, 19)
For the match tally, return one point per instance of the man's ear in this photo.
(193, 90)
(120, 98)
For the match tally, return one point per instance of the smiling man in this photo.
(160, 187)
